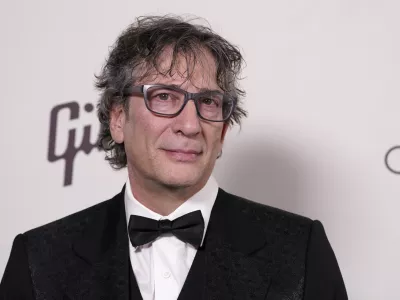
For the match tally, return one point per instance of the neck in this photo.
(160, 198)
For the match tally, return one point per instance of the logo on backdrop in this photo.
(71, 150)
(392, 153)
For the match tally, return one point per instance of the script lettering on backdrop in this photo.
(390, 154)
(71, 150)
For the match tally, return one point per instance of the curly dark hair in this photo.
(139, 48)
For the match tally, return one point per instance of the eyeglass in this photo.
(169, 101)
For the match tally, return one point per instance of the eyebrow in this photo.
(202, 90)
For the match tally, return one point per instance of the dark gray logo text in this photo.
(71, 150)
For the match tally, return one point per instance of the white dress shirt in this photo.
(161, 267)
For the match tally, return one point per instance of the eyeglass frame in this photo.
(142, 89)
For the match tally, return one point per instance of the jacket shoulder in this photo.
(73, 225)
(272, 219)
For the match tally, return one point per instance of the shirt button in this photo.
(167, 274)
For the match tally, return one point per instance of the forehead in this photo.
(196, 69)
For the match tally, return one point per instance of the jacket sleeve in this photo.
(323, 277)
(16, 282)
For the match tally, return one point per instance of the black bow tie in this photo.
(189, 228)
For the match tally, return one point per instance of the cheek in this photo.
(135, 128)
(145, 130)
(214, 138)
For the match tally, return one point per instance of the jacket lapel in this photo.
(102, 267)
(228, 266)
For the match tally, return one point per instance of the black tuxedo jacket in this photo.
(251, 251)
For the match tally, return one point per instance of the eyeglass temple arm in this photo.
(138, 89)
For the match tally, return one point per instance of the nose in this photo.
(187, 122)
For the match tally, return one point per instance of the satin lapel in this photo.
(102, 267)
(235, 269)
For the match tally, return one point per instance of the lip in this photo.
(183, 155)
(185, 151)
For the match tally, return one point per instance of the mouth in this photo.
(183, 155)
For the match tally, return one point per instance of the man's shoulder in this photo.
(263, 213)
(75, 223)
(255, 222)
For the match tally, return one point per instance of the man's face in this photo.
(179, 151)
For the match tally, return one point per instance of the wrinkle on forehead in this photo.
(197, 68)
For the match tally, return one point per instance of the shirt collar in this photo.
(203, 200)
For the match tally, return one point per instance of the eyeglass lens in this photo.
(211, 105)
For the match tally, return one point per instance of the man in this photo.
(169, 95)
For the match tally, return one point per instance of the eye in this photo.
(163, 96)
(210, 102)
(207, 101)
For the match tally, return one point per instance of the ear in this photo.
(117, 121)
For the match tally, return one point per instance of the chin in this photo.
(182, 177)
(181, 174)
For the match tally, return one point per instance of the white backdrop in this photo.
(322, 81)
